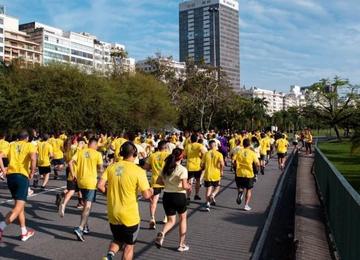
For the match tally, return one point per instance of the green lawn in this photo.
(347, 163)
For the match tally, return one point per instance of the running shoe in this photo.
(165, 220)
(183, 248)
(79, 234)
(28, 234)
(2, 177)
(79, 206)
(207, 207)
(239, 197)
(247, 208)
(43, 188)
(152, 224)
(62, 210)
(159, 240)
(197, 197)
(86, 230)
(108, 257)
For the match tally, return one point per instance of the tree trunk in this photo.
(337, 133)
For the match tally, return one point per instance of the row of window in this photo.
(82, 54)
(81, 61)
(56, 56)
(56, 48)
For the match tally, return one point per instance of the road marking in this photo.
(35, 194)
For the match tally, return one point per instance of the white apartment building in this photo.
(277, 101)
(178, 67)
(2, 40)
(81, 49)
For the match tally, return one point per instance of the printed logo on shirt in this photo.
(119, 171)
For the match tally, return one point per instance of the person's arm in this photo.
(2, 168)
(160, 181)
(102, 185)
(33, 164)
(147, 194)
(185, 184)
(72, 168)
(222, 164)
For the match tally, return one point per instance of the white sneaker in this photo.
(247, 208)
(183, 248)
(29, 234)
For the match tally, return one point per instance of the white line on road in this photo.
(35, 194)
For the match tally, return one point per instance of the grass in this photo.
(348, 164)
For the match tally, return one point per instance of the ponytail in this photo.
(170, 161)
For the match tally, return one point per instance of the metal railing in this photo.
(342, 205)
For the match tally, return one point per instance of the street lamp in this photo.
(213, 11)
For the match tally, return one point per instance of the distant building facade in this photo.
(209, 32)
(178, 67)
(2, 38)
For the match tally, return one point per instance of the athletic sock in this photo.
(111, 253)
(23, 231)
(2, 225)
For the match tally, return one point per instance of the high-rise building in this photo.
(2, 40)
(209, 32)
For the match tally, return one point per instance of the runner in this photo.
(281, 145)
(116, 145)
(264, 148)
(308, 138)
(123, 180)
(194, 153)
(213, 164)
(88, 162)
(4, 149)
(255, 146)
(45, 153)
(244, 163)
(22, 164)
(174, 177)
(58, 160)
(155, 163)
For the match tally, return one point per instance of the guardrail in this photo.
(342, 205)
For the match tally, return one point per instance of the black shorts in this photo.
(262, 157)
(295, 143)
(18, 185)
(157, 191)
(281, 155)
(58, 161)
(125, 235)
(214, 184)
(72, 185)
(194, 174)
(244, 183)
(5, 162)
(174, 203)
(44, 170)
(111, 156)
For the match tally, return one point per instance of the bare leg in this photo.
(68, 196)
(169, 224)
(182, 228)
(85, 215)
(153, 205)
(248, 196)
(46, 179)
(197, 186)
(15, 212)
(216, 191)
(128, 252)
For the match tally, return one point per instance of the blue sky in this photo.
(283, 42)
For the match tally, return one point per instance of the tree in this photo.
(355, 141)
(256, 112)
(331, 107)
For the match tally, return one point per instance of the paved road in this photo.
(227, 232)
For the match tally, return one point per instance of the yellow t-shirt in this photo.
(20, 157)
(44, 151)
(264, 146)
(63, 137)
(308, 138)
(244, 163)
(281, 145)
(4, 147)
(240, 138)
(124, 180)
(137, 140)
(173, 183)
(187, 142)
(212, 161)
(193, 155)
(87, 161)
(117, 143)
(58, 145)
(157, 162)
(232, 143)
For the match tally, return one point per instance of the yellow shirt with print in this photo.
(193, 155)
(157, 162)
(212, 161)
(232, 143)
(44, 151)
(4, 147)
(281, 145)
(87, 161)
(245, 159)
(117, 143)
(124, 180)
(20, 157)
(58, 146)
(264, 145)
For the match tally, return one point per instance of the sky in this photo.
(282, 42)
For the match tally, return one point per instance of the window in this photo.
(1, 21)
(1, 30)
(46, 38)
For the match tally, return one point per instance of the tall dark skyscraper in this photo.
(209, 31)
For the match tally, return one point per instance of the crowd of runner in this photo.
(179, 165)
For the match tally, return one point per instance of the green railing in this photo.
(342, 205)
